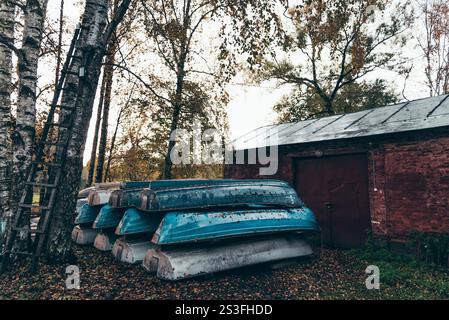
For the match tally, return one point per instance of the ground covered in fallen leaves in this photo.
(330, 274)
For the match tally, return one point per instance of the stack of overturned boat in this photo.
(185, 228)
(89, 204)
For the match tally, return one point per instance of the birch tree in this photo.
(93, 152)
(23, 135)
(100, 138)
(108, 74)
(92, 43)
(7, 35)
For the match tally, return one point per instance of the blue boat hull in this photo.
(125, 198)
(108, 217)
(184, 227)
(129, 194)
(135, 221)
(87, 214)
(79, 203)
(262, 193)
(188, 183)
(134, 185)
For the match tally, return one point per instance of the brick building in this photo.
(385, 170)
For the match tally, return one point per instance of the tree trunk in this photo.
(329, 109)
(94, 20)
(180, 73)
(23, 135)
(93, 153)
(108, 74)
(111, 149)
(59, 53)
(7, 30)
(114, 136)
(93, 43)
(175, 118)
(44, 194)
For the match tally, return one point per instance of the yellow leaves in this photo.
(333, 274)
(358, 53)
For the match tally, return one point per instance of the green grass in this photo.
(402, 276)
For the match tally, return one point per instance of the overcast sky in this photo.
(251, 106)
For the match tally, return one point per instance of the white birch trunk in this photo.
(93, 25)
(7, 31)
(92, 47)
(23, 135)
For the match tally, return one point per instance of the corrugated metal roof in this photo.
(405, 116)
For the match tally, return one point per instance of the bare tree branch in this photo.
(142, 81)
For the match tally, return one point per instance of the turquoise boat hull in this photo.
(79, 204)
(184, 227)
(87, 214)
(135, 221)
(129, 194)
(108, 217)
(225, 195)
(134, 185)
(170, 184)
(188, 183)
(125, 198)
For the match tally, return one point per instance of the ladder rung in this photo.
(18, 229)
(20, 253)
(53, 143)
(62, 125)
(23, 253)
(65, 107)
(32, 206)
(70, 72)
(48, 164)
(41, 184)
(67, 89)
(32, 171)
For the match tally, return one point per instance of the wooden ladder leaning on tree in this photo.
(46, 148)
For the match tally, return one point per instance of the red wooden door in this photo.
(336, 189)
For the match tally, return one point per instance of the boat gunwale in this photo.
(301, 230)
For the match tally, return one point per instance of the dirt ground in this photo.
(330, 274)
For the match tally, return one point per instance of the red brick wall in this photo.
(412, 179)
(251, 171)
(408, 179)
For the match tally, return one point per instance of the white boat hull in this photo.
(105, 241)
(185, 263)
(84, 236)
(99, 197)
(131, 251)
